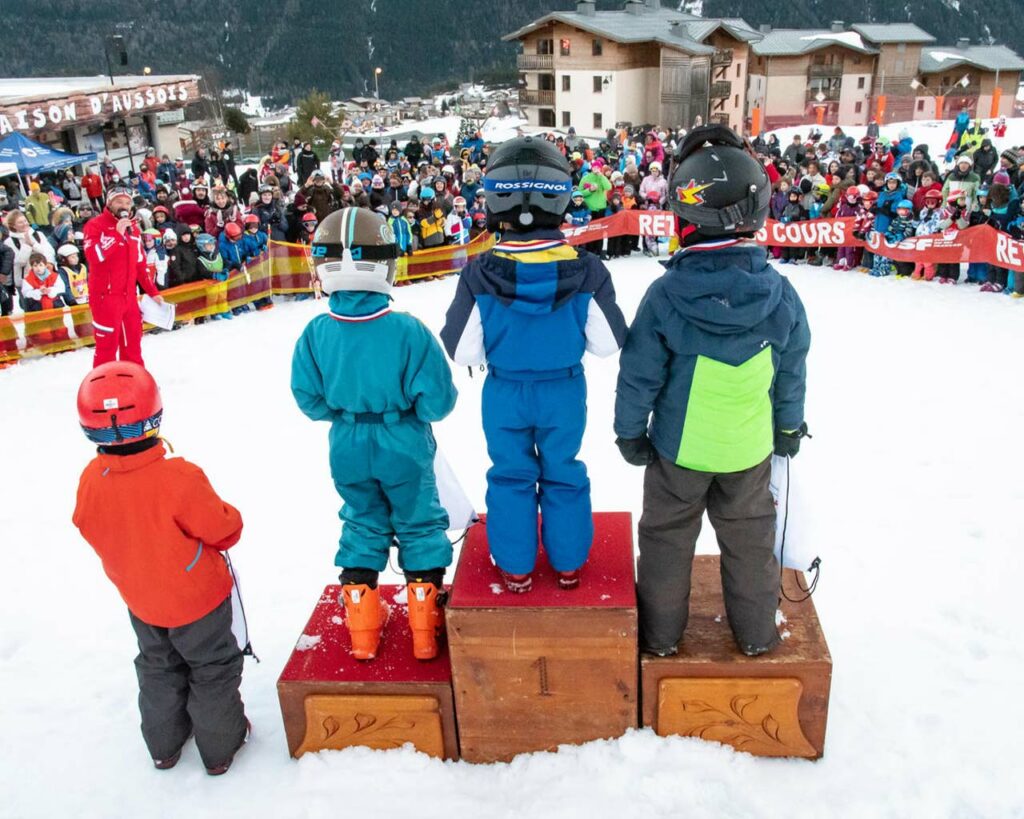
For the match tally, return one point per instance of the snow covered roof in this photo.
(987, 58)
(794, 41)
(650, 24)
(892, 33)
(15, 90)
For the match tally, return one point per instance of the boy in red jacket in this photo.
(159, 528)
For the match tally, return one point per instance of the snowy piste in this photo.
(911, 485)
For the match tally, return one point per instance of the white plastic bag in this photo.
(792, 548)
(453, 498)
(239, 623)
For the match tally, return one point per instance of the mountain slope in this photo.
(283, 48)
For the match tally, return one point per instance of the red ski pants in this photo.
(117, 327)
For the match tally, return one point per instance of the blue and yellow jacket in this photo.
(254, 243)
(533, 304)
(717, 354)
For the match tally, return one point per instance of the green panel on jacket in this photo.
(728, 425)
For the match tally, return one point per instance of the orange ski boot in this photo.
(366, 615)
(426, 620)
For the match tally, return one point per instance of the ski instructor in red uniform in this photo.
(117, 263)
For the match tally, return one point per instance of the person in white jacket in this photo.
(24, 242)
(654, 181)
(457, 223)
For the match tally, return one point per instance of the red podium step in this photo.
(537, 670)
(330, 700)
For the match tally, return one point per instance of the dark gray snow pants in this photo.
(188, 683)
(742, 512)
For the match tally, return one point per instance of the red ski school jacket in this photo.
(116, 262)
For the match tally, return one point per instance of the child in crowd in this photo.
(160, 529)
(776, 207)
(74, 274)
(977, 272)
(617, 245)
(654, 202)
(900, 228)
(254, 241)
(479, 225)
(156, 256)
(457, 223)
(232, 249)
(1004, 211)
(929, 224)
(865, 226)
(212, 264)
(401, 228)
(849, 208)
(793, 212)
(43, 289)
(955, 216)
(429, 227)
(578, 214)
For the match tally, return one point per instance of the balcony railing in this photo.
(721, 90)
(721, 57)
(531, 97)
(827, 94)
(825, 71)
(535, 62)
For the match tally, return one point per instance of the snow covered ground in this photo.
(911, 486)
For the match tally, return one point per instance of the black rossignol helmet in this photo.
(718, 187)
(528, 184)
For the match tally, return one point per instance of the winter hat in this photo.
(377, 182)
(34, 187)
(1001, 178)
(965, 159)
(904, 204)
(1011, 156)
(66, 250)
(170, 234)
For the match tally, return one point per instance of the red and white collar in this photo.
(531, 246)
(717, 244)
(357, 319)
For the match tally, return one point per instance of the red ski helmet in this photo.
(252, 219)
(232, 230)
(119, 403)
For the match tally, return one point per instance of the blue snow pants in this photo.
(534, 430)
(384, 473)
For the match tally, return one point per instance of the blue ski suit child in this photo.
(381, 379)
(529, 308)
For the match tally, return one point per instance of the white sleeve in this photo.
(600, 338)
(470, 350)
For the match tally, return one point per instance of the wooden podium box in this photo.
(533, 671)
(773, 705)
(330, 700)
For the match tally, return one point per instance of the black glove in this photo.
(787, 442)
(637, 451)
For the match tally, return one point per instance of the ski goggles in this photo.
(124, 433)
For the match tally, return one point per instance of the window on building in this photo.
(920, 104)
(858, 107)
(598, 122)
(901, 48)
(898, 67)
(566, 82)
(736, 102)
(597, 48)
(856, 59)
(565, 47)
(545, 46)
(860, 82)
(546, 118)
(566, 119)
(739, 70)
(546, 82)
(597, 84)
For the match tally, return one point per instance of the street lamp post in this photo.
(376, 81)
(115, 42)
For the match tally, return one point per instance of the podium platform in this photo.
(773, 705)
(330, 700)
(537, 670)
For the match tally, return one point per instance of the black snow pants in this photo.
(188, 683)
(742, 512)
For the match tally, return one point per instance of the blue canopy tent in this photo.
(33, 158)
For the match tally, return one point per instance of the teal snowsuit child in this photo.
(381, 379)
